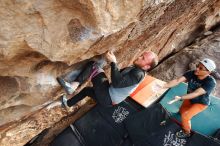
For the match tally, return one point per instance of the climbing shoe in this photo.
(64, 101)
(69, 88)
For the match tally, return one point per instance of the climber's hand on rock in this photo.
(110, 56)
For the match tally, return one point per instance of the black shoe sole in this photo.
(63, 105)
(60, 81)
(62, 84)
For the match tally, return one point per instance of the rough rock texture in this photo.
(40, 40)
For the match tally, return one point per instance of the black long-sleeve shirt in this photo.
(125, 77)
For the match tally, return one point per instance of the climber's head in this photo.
(147, 60)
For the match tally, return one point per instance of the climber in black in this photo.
(124, 81)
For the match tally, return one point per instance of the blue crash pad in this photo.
(206, 122)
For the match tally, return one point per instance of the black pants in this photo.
(99, 92)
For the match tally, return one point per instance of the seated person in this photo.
(200, 85)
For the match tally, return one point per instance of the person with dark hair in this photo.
(123, 82)
(200, 85)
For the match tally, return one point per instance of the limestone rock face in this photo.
(61, 30)
(42, 39)
(39, 39)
